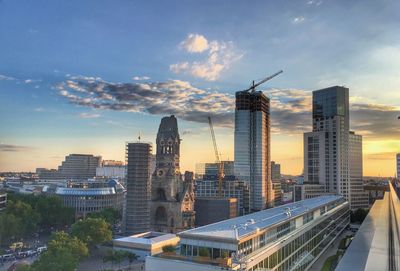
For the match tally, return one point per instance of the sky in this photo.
(89, 76)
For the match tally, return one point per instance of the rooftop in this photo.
(236, 228)
(147, 238)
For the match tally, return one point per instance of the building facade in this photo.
(92, 197)
(275, 172)
(252, 146)
(79, 166)
(172, 198)
(398, 165)
(290, 237)
(231, 188)
(138, 184)
(333, 154)
(211, 210)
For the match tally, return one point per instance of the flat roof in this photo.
(239, 227)
(148, 238)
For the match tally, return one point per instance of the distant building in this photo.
(210, 210)
(111, 163)
(138, 180)
(3, 199)
(231, 188)
(211, 169)
(277, 196)
(111, 171)
(308, 191)
(289, 237)
(358, 197)
(48, 174)
(398, 165)
(252, 146)
(276, 172)
(92, 197)
(172, 199)
(333, 154)
(79, 166)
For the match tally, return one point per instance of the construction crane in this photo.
(219, 162)
(254, 85)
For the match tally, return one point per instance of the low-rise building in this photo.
(91, 197)
(289, 237)
(146, 244)
(211, 210)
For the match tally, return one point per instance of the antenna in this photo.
(140, 135)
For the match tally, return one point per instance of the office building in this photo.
(376, 245)
(308, 191)
(3, 199)
(111, 171)
(172, 199)
(275, 172)
(333, 154)
(290, 237)
(91, 197)
(398, 165)
(277, 194)
(211, 169)
(252, 146)
(358, 197)
(210, 210)
(79, 166)
(231, 188)
(138, 182)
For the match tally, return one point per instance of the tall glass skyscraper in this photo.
(252, 146)
(332, 155)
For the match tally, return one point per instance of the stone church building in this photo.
(172, 202)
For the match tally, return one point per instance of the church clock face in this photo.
(160, 172)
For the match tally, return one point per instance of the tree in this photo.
(63, 253)
(110, 215)
(53, 213)
(360, 214)
(92, 231)
(131, 257)
(62, 240)
(10, 228)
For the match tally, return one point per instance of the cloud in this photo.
(13, 148)
(88, 115)
(220, 56)
(298, 20)
(156, 98)
(140, 78)
(29, 81)
(39, 109)
(290, 108)
(6, 78)
(194, 43)
(314, 2)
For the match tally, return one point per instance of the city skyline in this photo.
(106, 79)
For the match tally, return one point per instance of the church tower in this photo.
(172, 198)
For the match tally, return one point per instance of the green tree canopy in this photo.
(92, 231)
(110, 215)
(61, 240)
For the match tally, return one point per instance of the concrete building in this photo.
(172, 199)
(79, 166)
(290, 237)
(275, 172)
(92, 197)
(231, 188)
(308, 191)
(211, 210)
(111, 171)
(138, 180)
(376, 245)
(333, 155)
(252, 146)
(398, 165)
(358, 197)
(3, 199)
(146, 244)
(48, 174)
(211, 169)
(277, 195)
